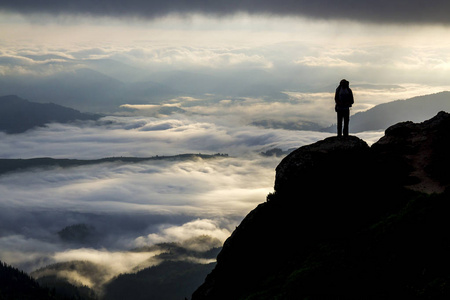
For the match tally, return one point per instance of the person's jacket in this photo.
(343, 98)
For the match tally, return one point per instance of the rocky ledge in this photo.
(348, 221)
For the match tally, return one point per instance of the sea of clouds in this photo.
(136, 204)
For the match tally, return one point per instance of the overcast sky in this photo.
(238, 60)
(390, 11)
(257, 48)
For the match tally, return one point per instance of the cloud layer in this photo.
(391, 11)
(126, 205)
(131, 205)
(150, 136)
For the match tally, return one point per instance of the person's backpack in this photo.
(345, 97)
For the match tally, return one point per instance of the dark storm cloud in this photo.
(391, 11)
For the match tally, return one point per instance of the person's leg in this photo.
(346, 116)
(339, 123)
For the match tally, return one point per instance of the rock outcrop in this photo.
(422, 150)
(347, 220)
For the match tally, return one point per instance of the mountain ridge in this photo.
(18, 115)
(381, 116)
(347, 221)
(15, 284)
(18, 164)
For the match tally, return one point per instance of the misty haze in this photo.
(135, 137)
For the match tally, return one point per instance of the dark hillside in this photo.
(15, 284)
(415, 109)
(171, 280)
(18, 115)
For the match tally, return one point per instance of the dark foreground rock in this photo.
(348, 221)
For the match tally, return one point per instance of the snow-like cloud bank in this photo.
(147, 136)
(149, 202)
(131, 205)
(127, 206)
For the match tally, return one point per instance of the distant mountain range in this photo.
(86, 90)
(379, 117)
(104, 85)
(11, 165)
(18, 115)
(417, 109)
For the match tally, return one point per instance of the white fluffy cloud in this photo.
(195, 228)
(146, 136)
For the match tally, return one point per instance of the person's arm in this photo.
(336, 95)
(351, 97)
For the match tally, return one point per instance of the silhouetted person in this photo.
(344, 100)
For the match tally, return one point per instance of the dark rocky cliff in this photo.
(348, 221)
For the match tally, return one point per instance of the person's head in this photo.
(344, 83)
